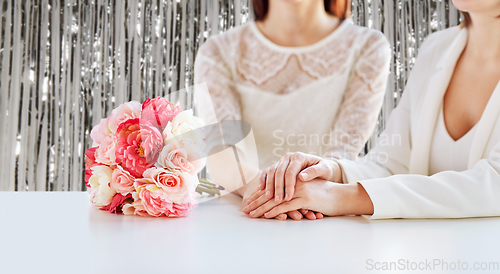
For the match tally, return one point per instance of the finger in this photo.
(303, 211)
(319, 215)
(262, 183)
(255, 196)
(320, 170)
(259, 211)
(295, 215)
(294, 167)
(270, 181)
(282, 217)
(262, 199)
(279, 179)
(310, 215)
(284, 207)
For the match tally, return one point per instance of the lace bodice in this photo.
(333, 89)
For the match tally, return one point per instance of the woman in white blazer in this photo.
(419, 168)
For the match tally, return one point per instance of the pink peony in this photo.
(139, 145)
(105, 153)
(122, 181)
(181, 210)
(90, 156)
(100, 132)
(89, 162)
(172, 157)
(156, 204)
(159, 111)
(122, 113)
(117, 203)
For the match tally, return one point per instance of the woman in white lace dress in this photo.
(303, 76)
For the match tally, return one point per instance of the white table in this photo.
(63, 233)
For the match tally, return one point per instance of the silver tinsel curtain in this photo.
(66, 64)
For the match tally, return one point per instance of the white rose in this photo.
(185, 121)
(191, 182)
(100, 189)
(181, 131)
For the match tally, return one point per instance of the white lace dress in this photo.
(322, 99)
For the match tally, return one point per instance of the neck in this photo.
(297, 23)
(483, 41)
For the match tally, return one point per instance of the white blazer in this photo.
(404, 147)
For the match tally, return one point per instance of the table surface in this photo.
(61, 232)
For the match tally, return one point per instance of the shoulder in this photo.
(433, 49)
(370, 41)
(429, 54)
(438, 42)
(366, 35)
(371, 46)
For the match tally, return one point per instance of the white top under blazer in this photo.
(396, 174)
(447, 153)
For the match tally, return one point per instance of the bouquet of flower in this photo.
(145, 159)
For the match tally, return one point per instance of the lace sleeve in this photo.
(363, 99)
(210, 68)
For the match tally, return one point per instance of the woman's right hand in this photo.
(280, 179)
(251, 189)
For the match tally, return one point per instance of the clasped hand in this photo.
(298, 185)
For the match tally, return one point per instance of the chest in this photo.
(468, 93)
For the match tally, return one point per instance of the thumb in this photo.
(321, 171)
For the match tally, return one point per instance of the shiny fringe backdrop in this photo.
(66, 64)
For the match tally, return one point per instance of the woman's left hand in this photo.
(297, 215)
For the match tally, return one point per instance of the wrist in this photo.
(354, 200)
(250, 187)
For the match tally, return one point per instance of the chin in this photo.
(292, 1)
(477, 6)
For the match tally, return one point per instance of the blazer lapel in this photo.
(428, 113)
(485, 127)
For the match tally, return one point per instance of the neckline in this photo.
(271, 44)
(463, 137)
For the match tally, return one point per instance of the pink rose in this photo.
(117, 203)
(159, 111)
(175, 158)
(105, 153)
(173, 184)
(122, 181)
(139, 145)
(100, 132)
(122, 113)
(156, 204)
(196, 158)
